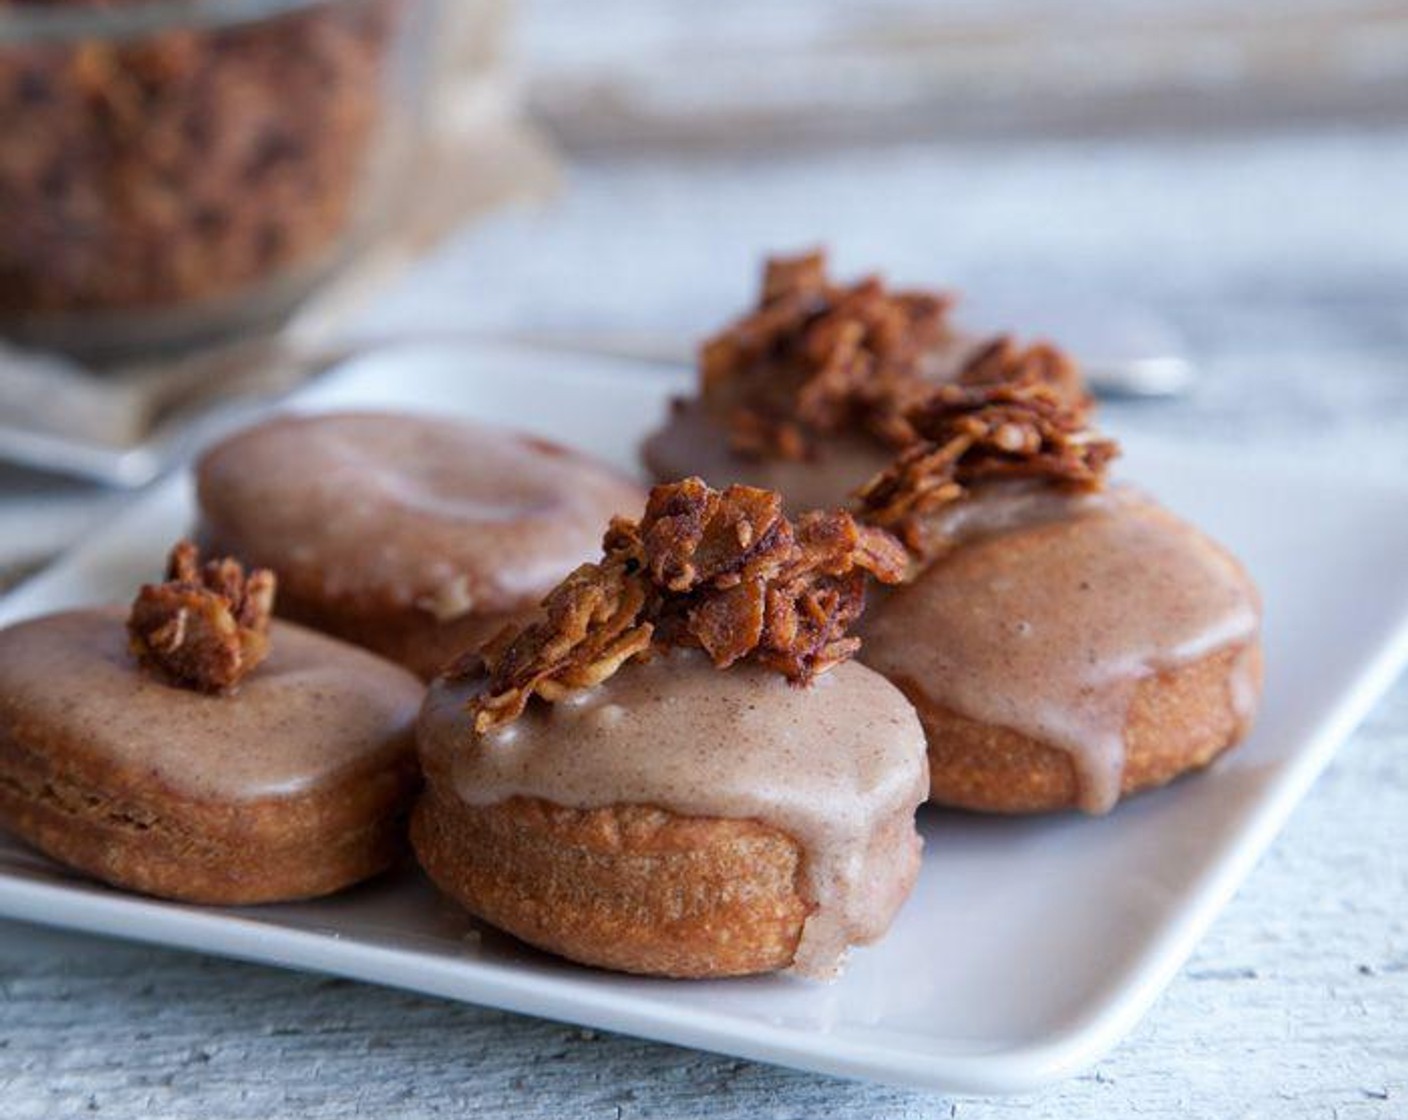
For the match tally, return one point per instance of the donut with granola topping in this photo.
(192, 748)
(807, 393)
(1065, 641)
(675, 769)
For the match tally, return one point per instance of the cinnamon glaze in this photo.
(838, 766)
(694, 442)
(316, 710)
(1051, 608)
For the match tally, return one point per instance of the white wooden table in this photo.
(1283, 262)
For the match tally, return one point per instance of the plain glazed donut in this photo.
(414, 536)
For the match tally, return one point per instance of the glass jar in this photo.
(176, 171)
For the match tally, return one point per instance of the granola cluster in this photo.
(1003, 362)
(1021, 426)
(817, 358)
(185, 164)
(722, 571)
(206, 627)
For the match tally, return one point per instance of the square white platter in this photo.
(1029, 946)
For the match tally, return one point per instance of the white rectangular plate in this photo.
(1029, 946)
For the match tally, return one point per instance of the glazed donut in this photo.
(1063, 646)
(680, 821)
(294, 785)
(675, 771)
(785, 397)
(1065, 651)
(413, 536)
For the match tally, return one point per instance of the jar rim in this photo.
(60, 23)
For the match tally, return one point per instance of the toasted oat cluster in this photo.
(722, 571)
(817, 357)
(1003, 362)
(206, 627)
(1020, 427)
